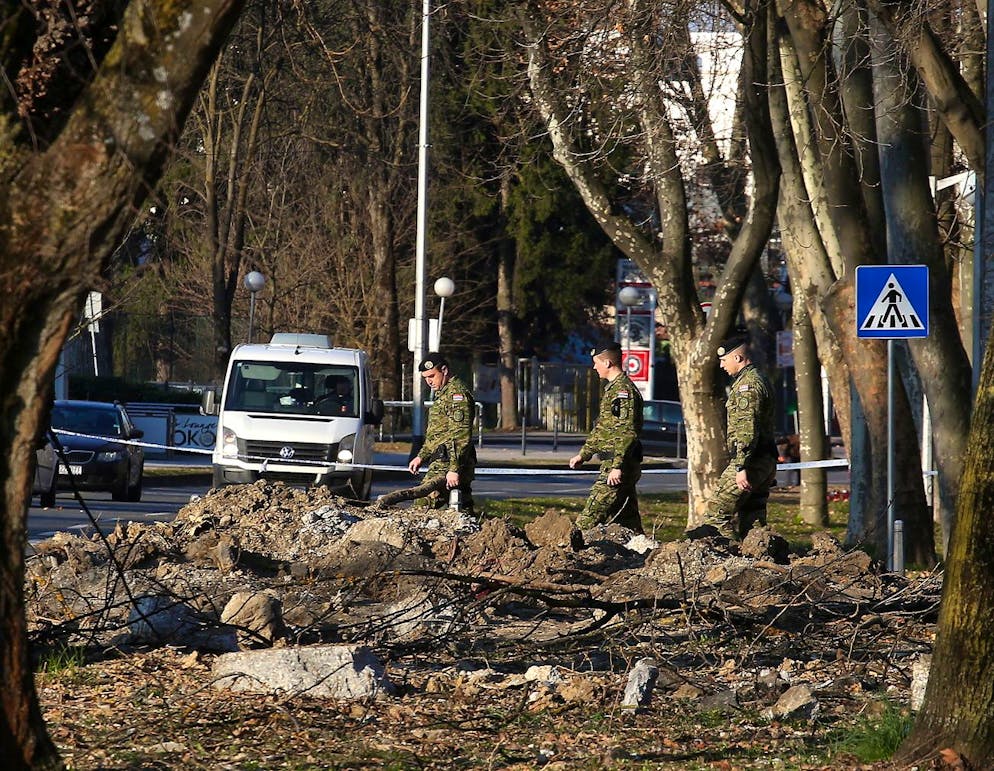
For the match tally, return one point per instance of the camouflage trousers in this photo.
(607, 504)
(735, 512)
(433, 490)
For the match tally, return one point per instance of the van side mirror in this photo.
(208, 402)
(375, 414)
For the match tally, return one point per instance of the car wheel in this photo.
(360, 485)
(46, 498)
(120, 491)
(135, 491)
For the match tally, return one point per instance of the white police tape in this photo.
(118, 440)
(482, 471)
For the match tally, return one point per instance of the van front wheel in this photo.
(217, 478)
(366, 485)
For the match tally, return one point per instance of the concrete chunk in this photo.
(641, 681)
(345, 672)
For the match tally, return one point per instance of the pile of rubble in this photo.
(295, 591)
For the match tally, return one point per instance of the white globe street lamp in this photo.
(254, 282)
(444, 287)
(629, 296)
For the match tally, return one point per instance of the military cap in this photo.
(735, 341)
(433, 360)
(614, 345)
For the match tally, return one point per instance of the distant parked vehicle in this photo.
(46, 474)
(93, 436)
(663, 429)
(298, 410)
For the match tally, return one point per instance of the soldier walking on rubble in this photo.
(738, 500)
(615, 438)
(448, 449)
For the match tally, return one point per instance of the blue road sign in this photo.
(892, 301)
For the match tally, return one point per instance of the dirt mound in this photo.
(323, 557)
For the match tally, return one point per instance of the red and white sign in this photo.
(636, 364)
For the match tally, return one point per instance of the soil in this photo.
(507, 648)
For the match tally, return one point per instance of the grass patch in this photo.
(664, 515)
(62, 660)
(876, 736)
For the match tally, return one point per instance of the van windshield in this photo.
(293, 387)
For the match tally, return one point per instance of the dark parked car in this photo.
(92, 435)
(663, 430)
(46, 474)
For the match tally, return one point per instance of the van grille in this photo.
(302, 452)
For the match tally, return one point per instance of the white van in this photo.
(298, 410)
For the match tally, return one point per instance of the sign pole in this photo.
(891, 304)
(890, 454)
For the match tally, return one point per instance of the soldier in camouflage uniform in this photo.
(448, 447)
(615, 439)
(738, 500)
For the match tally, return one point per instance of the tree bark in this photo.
(505, 326)
(811, 419)
(854, 65)
(959, 697)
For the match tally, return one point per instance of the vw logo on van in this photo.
(286, 453)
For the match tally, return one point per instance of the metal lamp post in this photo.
(629, 296)
(420, 261)
(254, 282)
(444, 287)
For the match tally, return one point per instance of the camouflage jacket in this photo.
(749, 407)
(616, 433)
(450, 426)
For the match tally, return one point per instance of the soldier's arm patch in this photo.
(619, 407)
(459, 415)
(457, 397)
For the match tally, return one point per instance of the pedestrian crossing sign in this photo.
(892, 301)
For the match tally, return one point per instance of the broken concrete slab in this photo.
(343, 672)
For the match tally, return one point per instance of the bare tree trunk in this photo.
(66, 208)
(959, 698)
(386, 351)
(811, 419)
(505, 329)
(36, 339)
(231, 145)
(854, 66)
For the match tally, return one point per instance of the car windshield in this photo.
(293, 387)
(95, 421)
(658, 411)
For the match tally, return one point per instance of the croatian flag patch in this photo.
(457, 397)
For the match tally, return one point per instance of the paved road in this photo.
(161, 502)
(542, 472)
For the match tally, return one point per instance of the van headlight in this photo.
(346, 449)
(229, 444)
